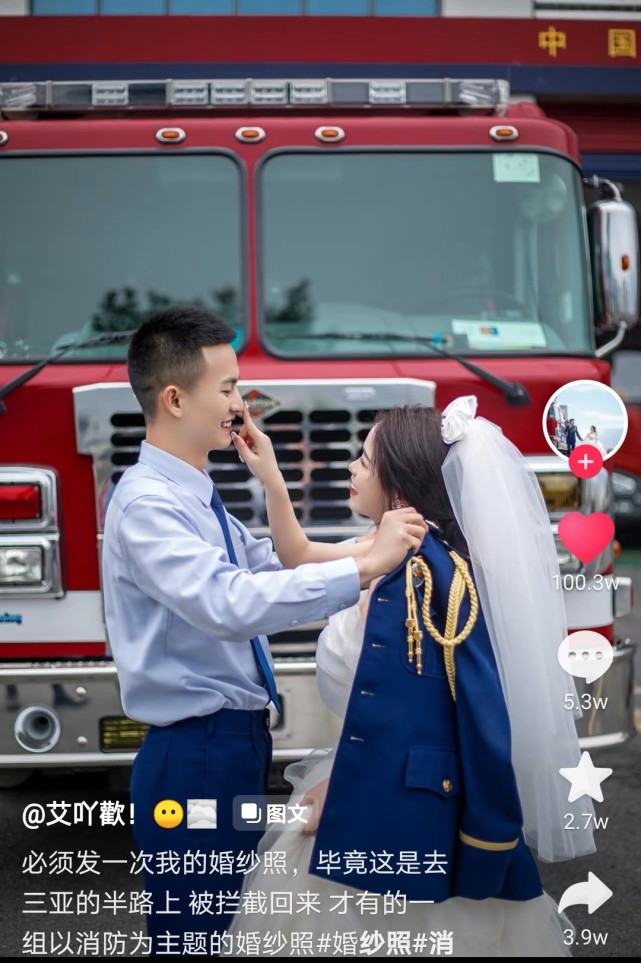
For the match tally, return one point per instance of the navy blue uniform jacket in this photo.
(419, 772)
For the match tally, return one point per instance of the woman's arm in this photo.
(292, 545)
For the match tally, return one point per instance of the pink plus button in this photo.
(586, 461)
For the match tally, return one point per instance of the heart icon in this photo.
(586, 535)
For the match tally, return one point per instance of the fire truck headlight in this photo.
(21, 566)
(562, 492)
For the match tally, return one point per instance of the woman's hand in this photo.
(315, 798)
(256, 450)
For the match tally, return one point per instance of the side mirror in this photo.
(614, 250)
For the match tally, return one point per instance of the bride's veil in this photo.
(498, 504)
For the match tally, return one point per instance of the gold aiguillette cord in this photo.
(461, 580)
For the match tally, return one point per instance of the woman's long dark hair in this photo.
(407, 453)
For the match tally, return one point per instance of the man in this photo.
(571, 435)
(188, 595)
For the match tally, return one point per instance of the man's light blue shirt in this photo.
(179, 614)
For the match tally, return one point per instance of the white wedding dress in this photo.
(592, 439)
(477, 928)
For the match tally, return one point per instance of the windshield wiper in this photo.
(514, 393)
(112, 337)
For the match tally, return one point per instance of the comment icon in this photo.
(585, 655)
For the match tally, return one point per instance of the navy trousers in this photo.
(219, 756)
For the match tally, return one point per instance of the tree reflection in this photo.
(297, 304)
(123, 309)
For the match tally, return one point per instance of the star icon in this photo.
(586, 779)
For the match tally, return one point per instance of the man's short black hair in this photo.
(167, 349)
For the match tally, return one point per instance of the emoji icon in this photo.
(168, 813)
(585, 779)
(202, 813)
(585, 654)
(586, 535)
(585, 461)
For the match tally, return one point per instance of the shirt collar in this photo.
(178, 471)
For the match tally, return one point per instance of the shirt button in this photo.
(294, 622)
(343, 605)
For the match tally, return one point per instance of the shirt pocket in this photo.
(437, 770)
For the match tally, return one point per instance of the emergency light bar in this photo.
(441, 94)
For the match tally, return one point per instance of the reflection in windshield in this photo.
(125, 310)
(99, 243)
(484, 251)
(296, 305)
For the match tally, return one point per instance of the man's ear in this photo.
(169, 399)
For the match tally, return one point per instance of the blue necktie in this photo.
(259, 652)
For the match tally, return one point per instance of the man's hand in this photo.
(256, 450)
(367, 537)
(315, 798)
(400, 531)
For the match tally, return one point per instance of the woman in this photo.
(592, 438)
(425, 759)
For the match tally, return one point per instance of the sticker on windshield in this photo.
(516, 168)
(490, 335)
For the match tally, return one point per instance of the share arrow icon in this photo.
(591, 893)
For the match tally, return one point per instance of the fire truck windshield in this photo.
(95, 243)
(480, 251)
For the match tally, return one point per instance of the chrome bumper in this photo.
(613, 724)
(79, 696)
(75, 697)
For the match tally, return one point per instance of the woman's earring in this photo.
(399, 503)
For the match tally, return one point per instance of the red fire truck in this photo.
(374, 242)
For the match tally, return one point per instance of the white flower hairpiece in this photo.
(457, 418)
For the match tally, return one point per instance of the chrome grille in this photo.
(317, 428)
(314, 461)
